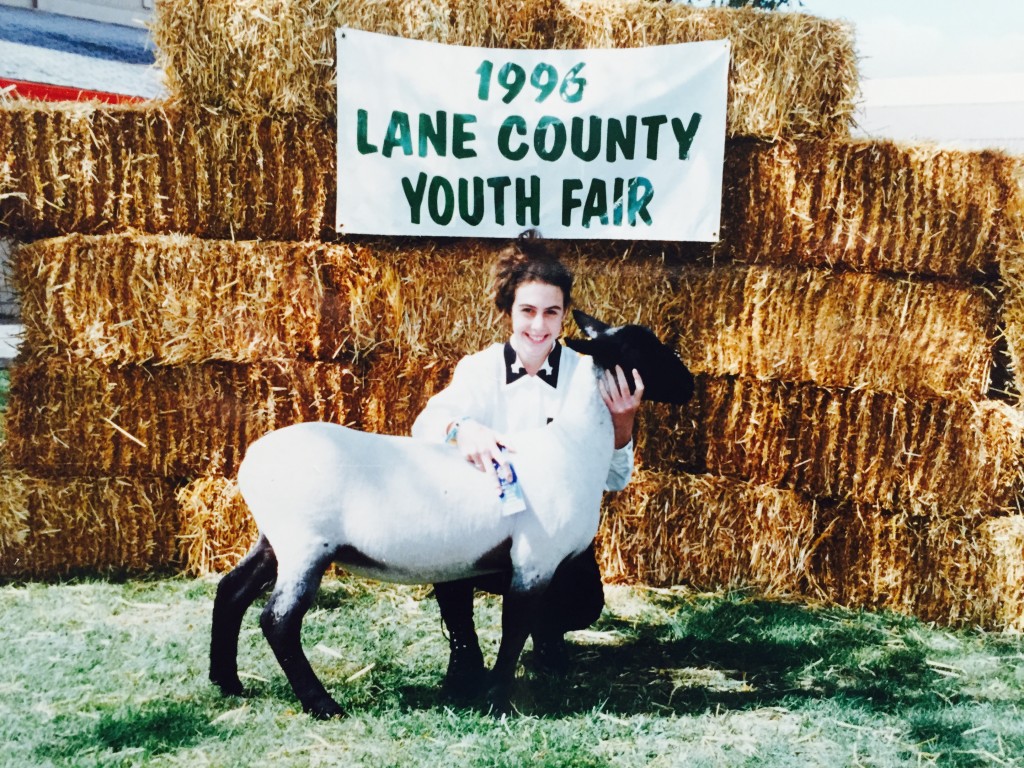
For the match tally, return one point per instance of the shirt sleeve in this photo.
(621, 470)
(463, 398)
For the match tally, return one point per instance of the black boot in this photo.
(551, 656)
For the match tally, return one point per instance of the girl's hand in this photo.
(481, 446)
(622, 405)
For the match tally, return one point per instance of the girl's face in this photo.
(537, 314)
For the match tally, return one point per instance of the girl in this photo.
(522, 384)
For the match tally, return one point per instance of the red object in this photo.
(48, 92)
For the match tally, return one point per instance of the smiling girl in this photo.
(516, 385)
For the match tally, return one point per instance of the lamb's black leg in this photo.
(281, 621)
(235, 593)
(518, 610)
(465, 676)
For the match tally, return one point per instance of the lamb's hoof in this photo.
(229, 685)
(551, 657)
(466, 673)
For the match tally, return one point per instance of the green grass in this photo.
(114, 674)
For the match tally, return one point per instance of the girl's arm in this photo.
(462, 398)
(460, 414)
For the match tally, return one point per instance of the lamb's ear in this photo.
(583, 346)
(589, 325)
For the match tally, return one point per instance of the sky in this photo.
(913, 38)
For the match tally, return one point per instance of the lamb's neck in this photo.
(584, 418)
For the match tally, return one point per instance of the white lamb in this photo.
(408, 511)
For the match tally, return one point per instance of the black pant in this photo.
(573, 600)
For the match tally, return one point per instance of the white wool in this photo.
(418, 508)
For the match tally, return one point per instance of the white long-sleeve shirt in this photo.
(492, 388)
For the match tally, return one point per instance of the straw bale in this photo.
(91, 168)
(131, 298)
(791, 74)
(664, 529)
(953, 566)
(68, 418)
(835, 329)
(431, 297)
(74, 525)
(921, 559)
(873, 447)
(706, 532)
(395, 390)
(173, 299)
(713, 533)
(127, 298)
(1011, 319)
(873, 206)
(216, 526)
(1004, 539)
(840, 329)
(14, 514)
(867, 205)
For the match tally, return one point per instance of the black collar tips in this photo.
(548, 373)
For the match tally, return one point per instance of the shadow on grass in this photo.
(152, 729)
(735, 654)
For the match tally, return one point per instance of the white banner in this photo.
(483, 142)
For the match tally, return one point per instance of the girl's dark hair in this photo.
(528, 260)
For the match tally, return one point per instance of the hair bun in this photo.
(527, 259)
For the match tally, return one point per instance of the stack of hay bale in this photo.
(856, 432)
(183, 293)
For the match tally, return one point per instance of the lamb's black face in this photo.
(666, 378)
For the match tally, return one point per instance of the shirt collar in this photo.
(548, 372)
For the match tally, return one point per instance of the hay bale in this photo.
(74, 525)
(877, 448)
(953, 566)
(1011, 318)
(88, 168)
(72, 419)
(706, 532)
(869, 206)
(835, 329)
(873, 206)
(428, 298)
(172, 299)
(791, 74)
(396, 389)
(216, 527)
(129, 299)
(926, 560)
(713, 533)
(1004, 540)
(14, 515)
